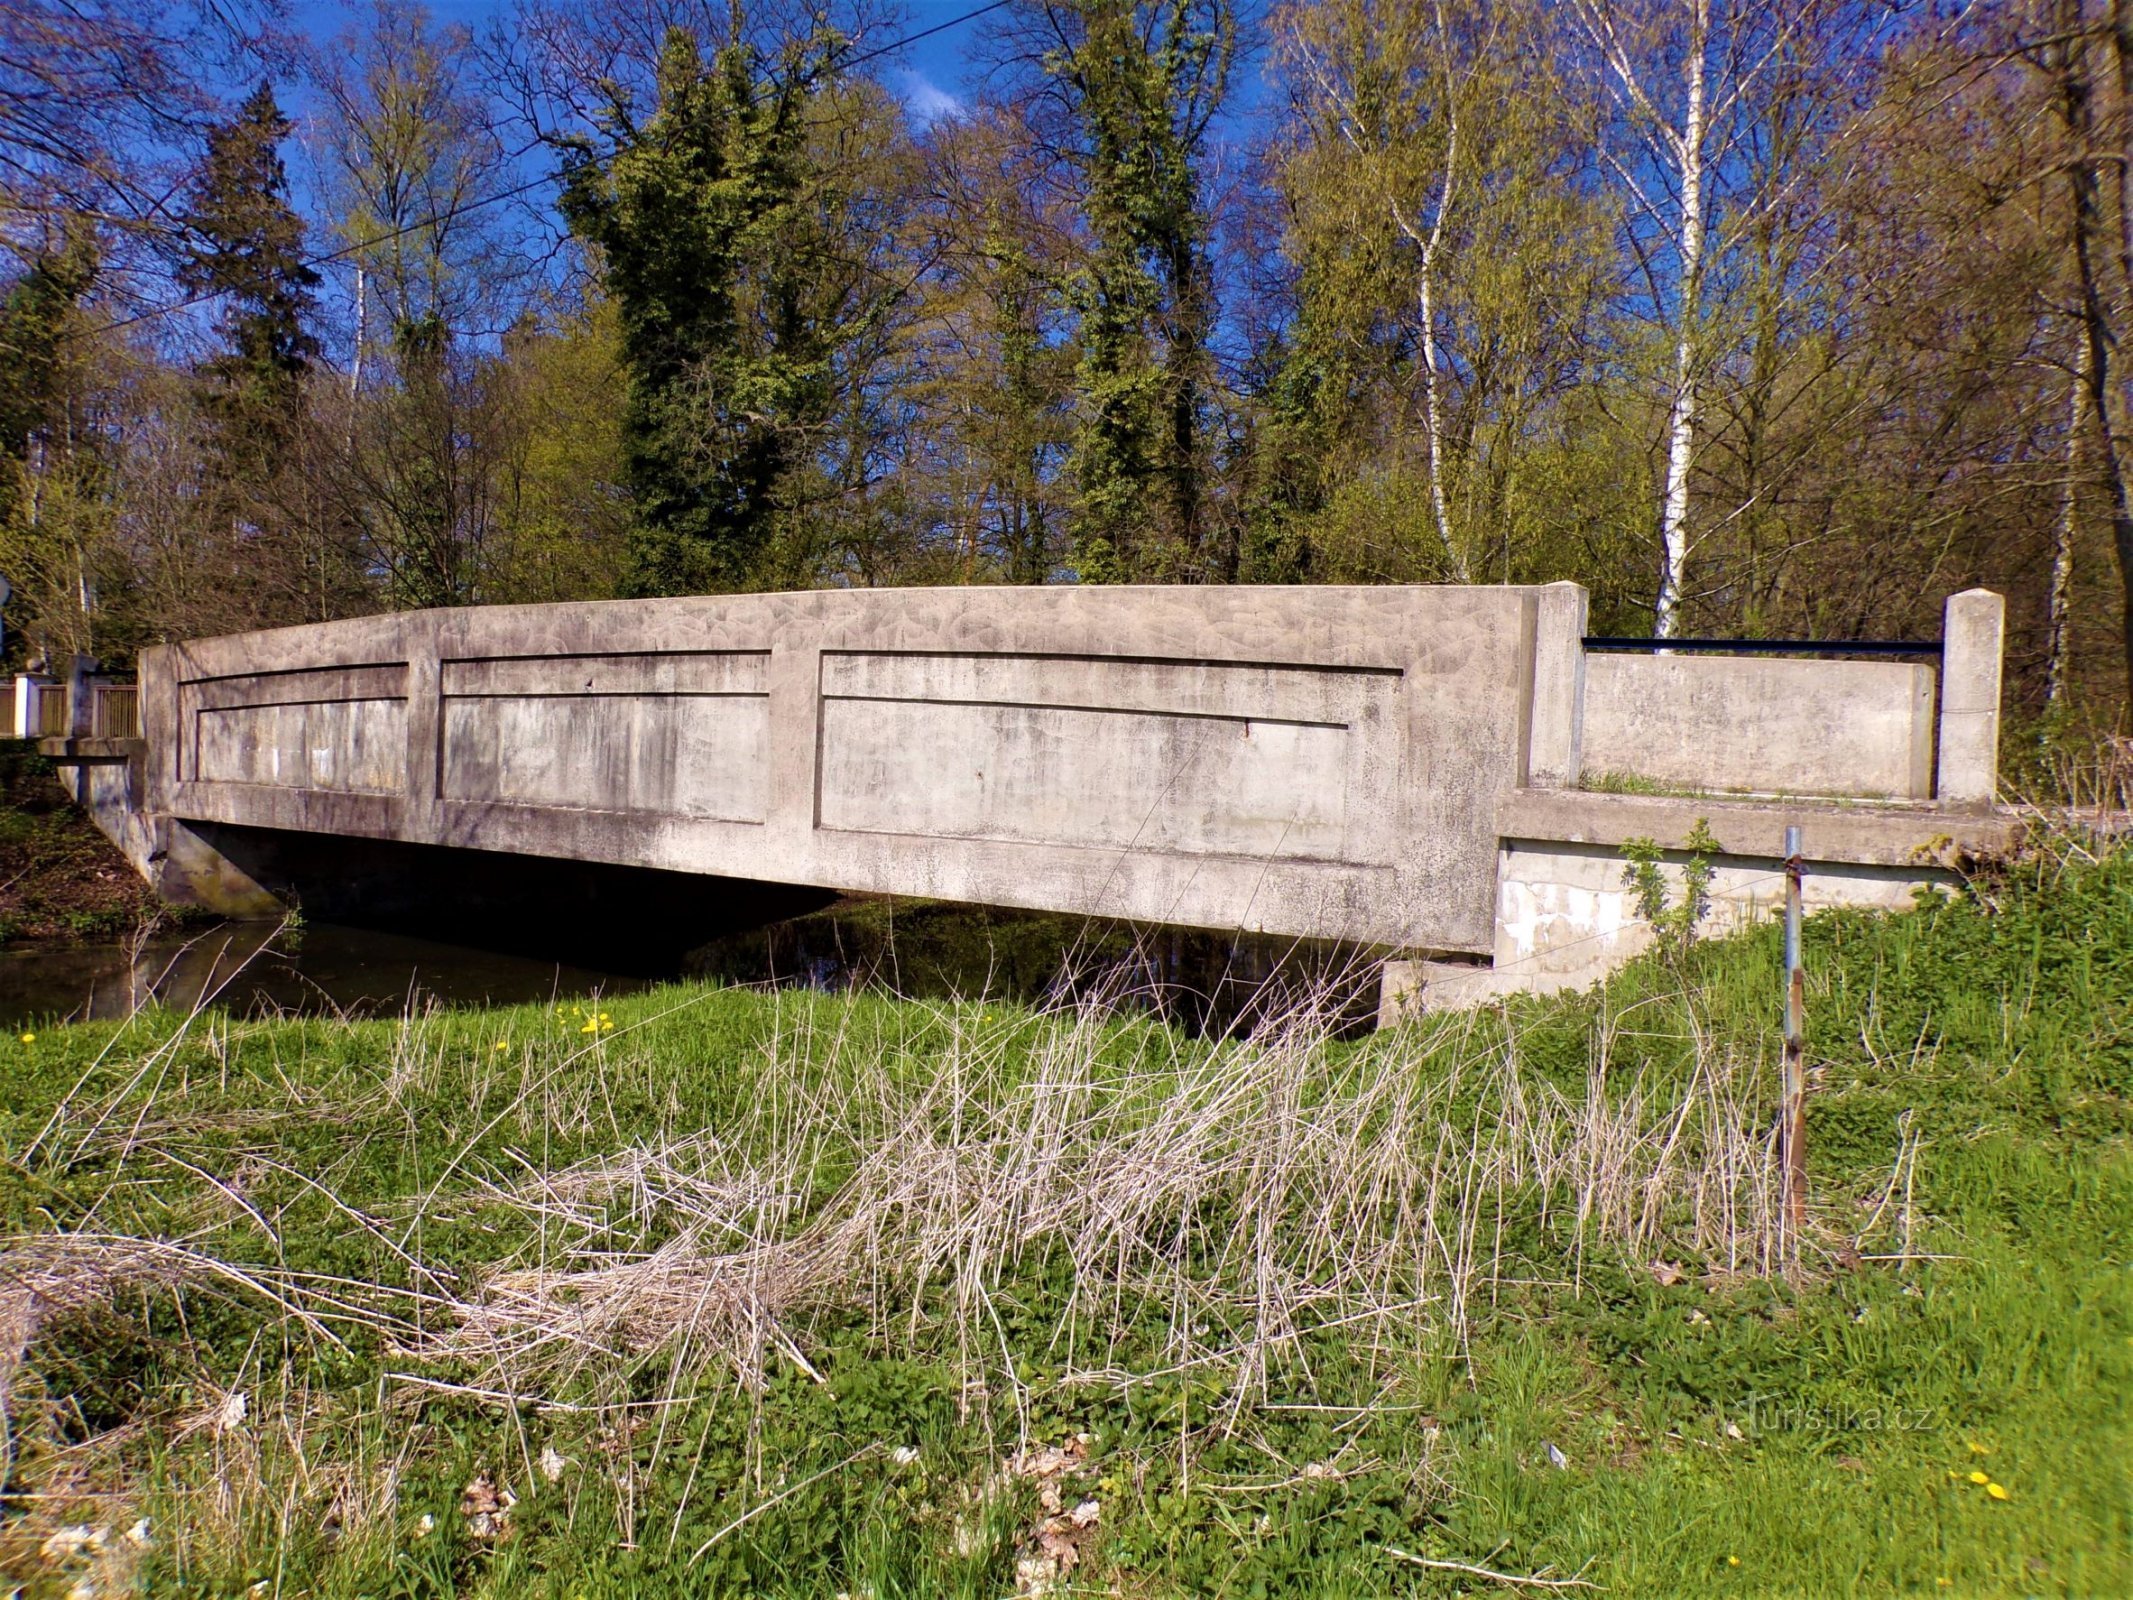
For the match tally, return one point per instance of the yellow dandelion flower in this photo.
(606, 1026)
(1980, 1479)
(1997, 1492)
(503, 1044)
(29, 1038)
(1732, 1561)
(590, 1027)
(1977, 1449)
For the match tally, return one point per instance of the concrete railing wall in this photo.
(1316, 761)
(1794, 726)
(1748, 746)
(1754, 724)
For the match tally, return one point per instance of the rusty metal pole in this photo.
(1792, 1135)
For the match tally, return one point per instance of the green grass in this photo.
(1308, 1303)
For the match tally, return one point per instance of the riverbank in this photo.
(61, 880)
(713, 1291)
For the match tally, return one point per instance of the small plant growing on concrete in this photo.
(1673, 921)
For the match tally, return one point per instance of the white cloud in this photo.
(926, 101)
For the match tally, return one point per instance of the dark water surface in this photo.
(255, 969)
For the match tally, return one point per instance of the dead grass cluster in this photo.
(1239, 1196)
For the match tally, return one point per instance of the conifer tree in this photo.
(245, 244)
(33, 317)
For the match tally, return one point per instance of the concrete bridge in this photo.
(1446, 773)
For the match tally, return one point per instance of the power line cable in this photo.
(924, 33)
(454, 212)
(332, 256)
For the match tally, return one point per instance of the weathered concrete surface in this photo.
(1754, 724)
(108, 779)
(1555, 747)
(1565, 915)
(1973, 643)
(1870, 835)
(1322, 762)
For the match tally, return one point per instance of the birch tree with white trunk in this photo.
(1681, 82)
(1390, 81)
(1430, 241)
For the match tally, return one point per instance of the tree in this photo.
(55, 507)
(244, 247)
(707, 219)
(414, 165)
(1448, 244)
(1694, 91)
(2101, 284)
(37, 314)
(1141, 84)
(1960, 446)
(98, 103)
(414, 168)
(555, 394)
(989, 377)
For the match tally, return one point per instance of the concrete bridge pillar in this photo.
(1973, 640)
(1555, 741)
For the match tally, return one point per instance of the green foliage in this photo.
(709, 221)
(558, 392)
(1673, 920)
(245, 248)
(38, 309)
(1143, 82)
(54, 471)
(1415, 134)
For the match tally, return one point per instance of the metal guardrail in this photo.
(1917, 649)
(115, 711)
(48, 711)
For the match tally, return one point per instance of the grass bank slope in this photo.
(722, 1292)
(60, 878)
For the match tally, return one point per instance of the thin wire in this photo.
(331, 256)
(925, 33)
(322, 260)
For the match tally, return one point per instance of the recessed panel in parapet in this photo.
(338, 730)
(681, 734)
(1187, 757)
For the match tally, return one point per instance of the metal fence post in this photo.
(1792, 1135)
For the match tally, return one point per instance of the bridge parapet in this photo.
(1321, 761)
